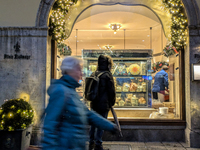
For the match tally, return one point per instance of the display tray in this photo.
(139, 106)
(130, 92)
(131, 76)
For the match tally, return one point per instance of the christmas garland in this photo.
(64, 49)
(178, 27)
(175, 7)
(159, 65)
(15, 114)
(169, 50)
(57, 19)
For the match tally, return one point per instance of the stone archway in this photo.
(191, 8)
(193, 14)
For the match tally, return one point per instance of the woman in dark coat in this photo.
(106, 98)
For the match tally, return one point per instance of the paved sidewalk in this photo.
(141, 146)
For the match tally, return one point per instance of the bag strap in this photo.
(101, 73)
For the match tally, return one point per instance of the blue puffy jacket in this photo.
(161, 81)
(65, 124)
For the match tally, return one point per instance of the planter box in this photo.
(15, 140)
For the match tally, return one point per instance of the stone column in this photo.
(192, 131)
(23, 65)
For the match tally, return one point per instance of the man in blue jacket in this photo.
(161, 82)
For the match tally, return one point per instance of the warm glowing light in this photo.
(115, 27)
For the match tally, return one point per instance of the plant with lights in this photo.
(64, 49)
(15, 114)
(178, 27)
(159, 65)
(57, 19)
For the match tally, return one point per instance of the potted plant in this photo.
(16, 118)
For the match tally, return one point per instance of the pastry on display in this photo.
(126, 87)
(142, 100)
(134, 100)
(133, 87)
(134, 69)
(118, 99)
(129, 96)
(93, 68)
(119, 88)
(144, 86)
(143, 69)
(116, 104)
(127, 103)
(121, 103)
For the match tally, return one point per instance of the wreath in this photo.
(15, 114)
(159, 65)
(64, 49)
(169, 50)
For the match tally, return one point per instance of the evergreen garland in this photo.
(15, 114)
(178, 27)
(169, 50)
(64, 49)
(57, 19)
(159, 65)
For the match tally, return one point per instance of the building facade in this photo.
(29, 61)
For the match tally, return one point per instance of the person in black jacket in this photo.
(106, 98)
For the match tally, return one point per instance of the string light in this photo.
(57, 19)
(178, 27)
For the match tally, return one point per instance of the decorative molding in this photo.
(23, 32)
(45, 7)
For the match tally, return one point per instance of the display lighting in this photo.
(178, 27)
(115, 27)
(108, 47)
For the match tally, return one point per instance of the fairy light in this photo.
(57, 19)
(178, 27)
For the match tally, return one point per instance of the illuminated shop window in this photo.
(135, 40)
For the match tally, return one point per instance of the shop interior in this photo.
(134, 36)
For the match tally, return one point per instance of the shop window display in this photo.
(137, 60)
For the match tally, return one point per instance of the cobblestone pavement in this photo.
(141, 146)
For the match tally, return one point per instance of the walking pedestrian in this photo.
(106, 99)
(66, 120)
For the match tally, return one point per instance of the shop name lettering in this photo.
(16, 56)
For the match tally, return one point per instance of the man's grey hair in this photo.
(69, 63)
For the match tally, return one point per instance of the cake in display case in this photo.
(131, 72)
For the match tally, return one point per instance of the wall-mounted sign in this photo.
(16, 56)
(17, 47)
(196, 72)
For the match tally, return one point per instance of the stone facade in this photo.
(24, 77)
(29, 77)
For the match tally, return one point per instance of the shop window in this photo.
(139, 64)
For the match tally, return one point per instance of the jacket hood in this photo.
(103, 63)
(65, 80)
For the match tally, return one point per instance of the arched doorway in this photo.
(192, 17)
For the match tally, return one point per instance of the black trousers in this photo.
(155, 95)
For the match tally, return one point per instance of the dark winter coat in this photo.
(161, 81)
(106, 93)
(65, 124)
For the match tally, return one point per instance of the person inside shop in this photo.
(155, 94)
(106, 99)
(66, 117)
(161, 83)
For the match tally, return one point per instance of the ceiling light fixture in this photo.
(115, 27)
(108, 47)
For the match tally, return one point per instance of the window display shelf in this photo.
(129, 74)
(131, 92)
